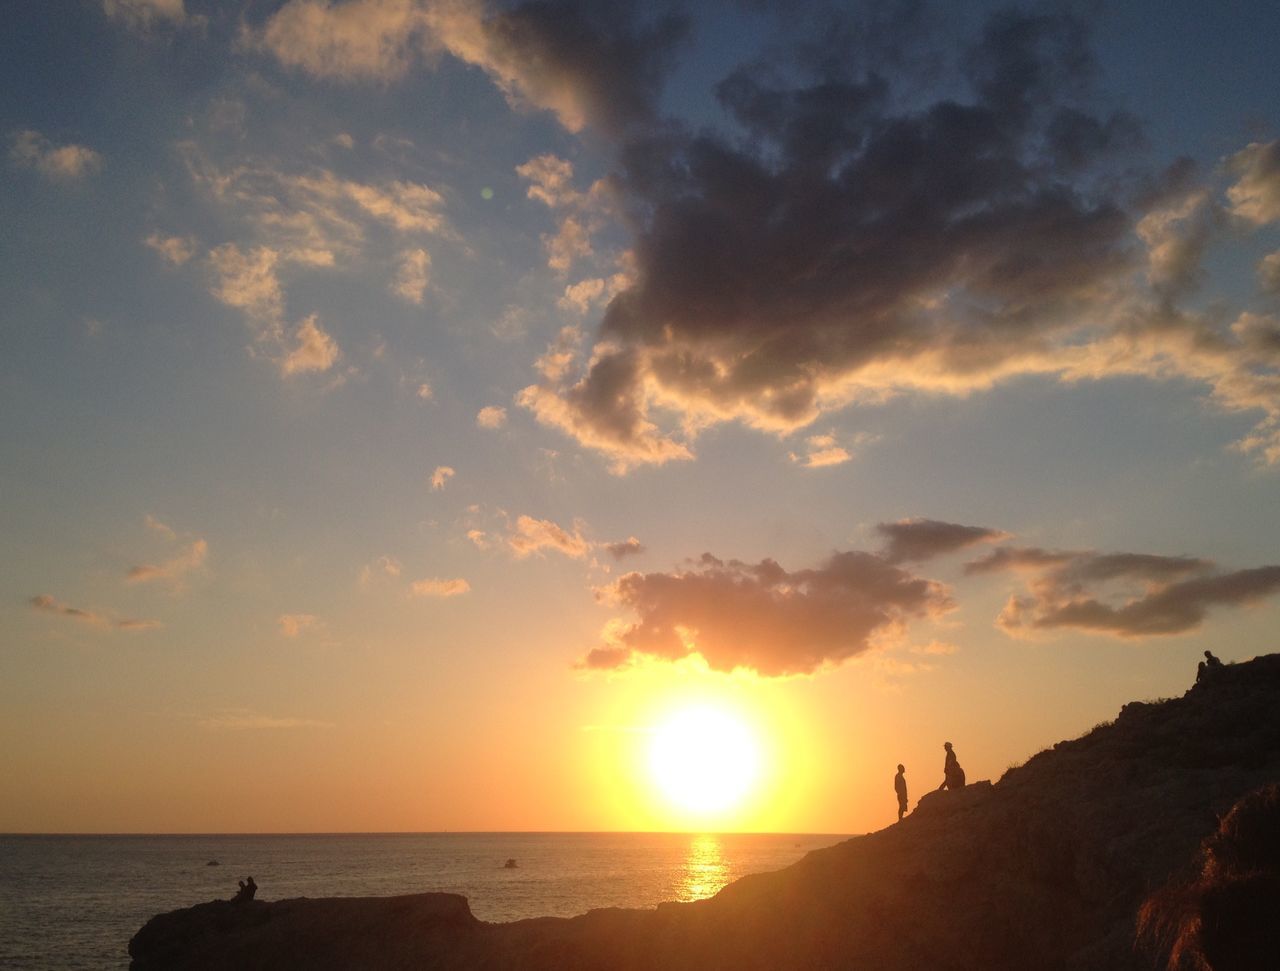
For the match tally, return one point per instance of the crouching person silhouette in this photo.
(952, 774)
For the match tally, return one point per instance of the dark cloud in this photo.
(845, 241)
(763, 618)
(846, 237)
(628, 547)
(920, 539)
(609, 62)
(1124, 594)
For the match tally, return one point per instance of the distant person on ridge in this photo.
(952, 774)
(1207, 668)
(246, 892)
(900, 787)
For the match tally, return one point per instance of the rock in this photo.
(1044, 869)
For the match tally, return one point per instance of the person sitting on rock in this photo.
(900, 787)
(952, 774)
(246, 892)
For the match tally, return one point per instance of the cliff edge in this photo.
(1047, 868)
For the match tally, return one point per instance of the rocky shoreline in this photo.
(1047, 868)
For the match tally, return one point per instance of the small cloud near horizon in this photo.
(436, 587)
(292, 625)
(46, 603)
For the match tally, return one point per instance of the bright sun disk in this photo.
(704, 760)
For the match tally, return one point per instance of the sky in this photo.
(412, 407)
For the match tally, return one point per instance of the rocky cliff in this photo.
(1047, 868)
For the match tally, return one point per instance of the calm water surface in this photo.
(73, 902)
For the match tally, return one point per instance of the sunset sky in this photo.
(412, 407)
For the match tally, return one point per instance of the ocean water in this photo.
(73, 902)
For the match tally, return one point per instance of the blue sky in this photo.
(381, 370)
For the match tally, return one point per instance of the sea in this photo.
(72, 902)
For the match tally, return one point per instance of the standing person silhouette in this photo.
(952, 774)
(900, 787)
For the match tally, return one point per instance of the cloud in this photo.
(63, 163)
(1269, 272)
(1255, 196)
(313, 349)
(1128, 595)
(172, 571)
(915, 540)
(440, 476)
(584, 63)
(822, 451)
(628, 547)
(1176, 236)
(359, 40)
(424, 391)
(435, 587)
(173, 249)
(155, 525)
(145, 13)
(383, 566)
(306, 221)
(852, 239)
(413, 275)
(48, 604)
(491, 416)
(762, 618)
(248, 282)
(291, 625)
(530, 536)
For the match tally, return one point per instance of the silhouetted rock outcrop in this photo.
(1045, 869)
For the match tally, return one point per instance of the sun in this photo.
(704, 760)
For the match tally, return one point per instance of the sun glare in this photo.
(704, 760)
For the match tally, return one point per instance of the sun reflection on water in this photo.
(705, 869)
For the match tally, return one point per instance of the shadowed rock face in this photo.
(1045, 869)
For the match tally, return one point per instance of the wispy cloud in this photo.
(292, 625)
(441, 476)
(529, 536)
(142, 14)
(173, 249)
(413, 275)
(46, 603)
(173, 570)
(1255, 195)
(824, 451)
(65, 163)
(437, 587)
